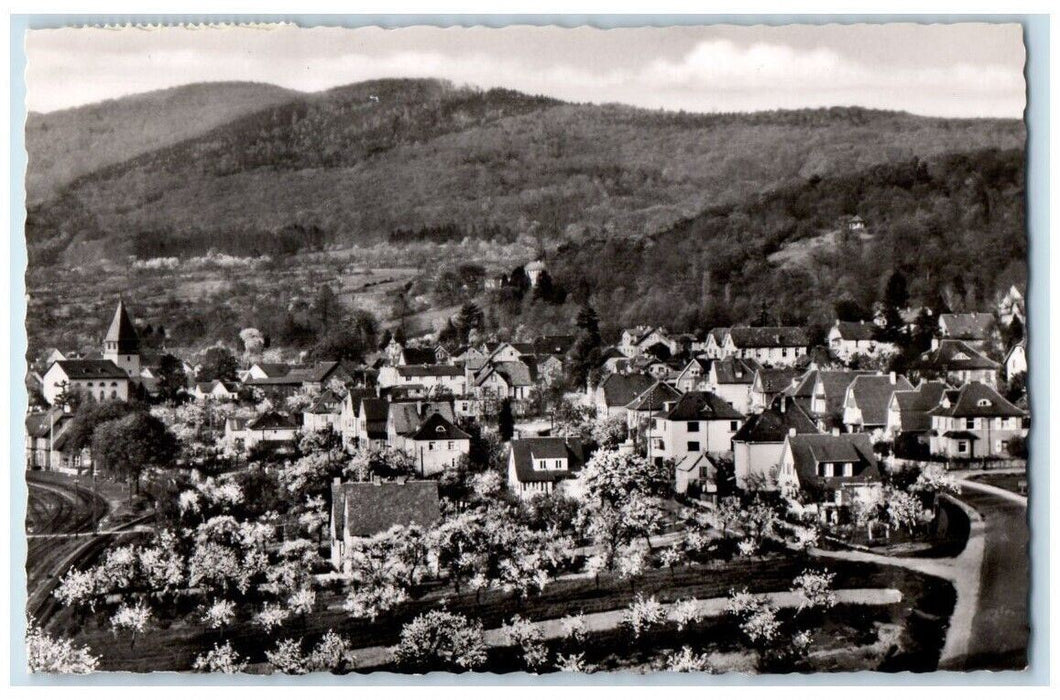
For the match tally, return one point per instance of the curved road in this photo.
(1000, 626)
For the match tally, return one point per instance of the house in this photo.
(46, 442)
(849, 338)
(534, 270)
(405, 417)
(371, 423)
(437, 445)
(543, 464)
(325, 413)
(713, 347)
(436, 379)
(637, 340)
(348, 414)
(694, 375)
(215, 391)
(699, 421)
(696, 472)
(103, 380)
(907, 411)
(266, 370)
(975, 329)
(866, 399)
(510, 352)
(831, 470)
(820, 393)
(417, 356)
(549, 368)
(514, 380)
(640, 410)
(770, 383)
(615, 392)
(974, 422)
(1016, 360)
(731, 379)
(758, 445)
(1012, 307)
(361, 509)
(122, 344)
(613, 360)
(956, 362)
(272, 429)
(769, 345)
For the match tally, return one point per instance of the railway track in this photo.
(60, 523)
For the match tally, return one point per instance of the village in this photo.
(242, 489)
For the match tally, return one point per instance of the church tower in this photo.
(122, 345)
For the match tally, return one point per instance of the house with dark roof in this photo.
(47, 447)
(1016, 360)
(615, 391)
(435, 378)
(325, 413)
(771, 382)
(267, 370)
(731, 379)
(849, 338)
(769, 345)
(101, 379)
(712, 345)
(435, 445)
(758, 444)
(694, 375)
(830, 470)
(975, 329)
(371, 422)
(820, 393)
(640, 410)
(696, 473)
(698, 422)
(907, 411)
(637, 340)
(361, 509)
(866, 399)
(215, 390)
(974, 422)
(543, 464)
(956, 362)
(511, 379)
(272, 429)
(348, 414)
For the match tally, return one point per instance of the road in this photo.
(1000, 626)
(56, 507)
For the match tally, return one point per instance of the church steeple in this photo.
(122, 344)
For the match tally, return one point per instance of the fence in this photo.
(961, 464)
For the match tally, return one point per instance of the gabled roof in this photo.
(913, 406)
(374, 409)
(772, 380)
(620, 389)
(438, 427)
(273, 369)
(419, 356)
(872, 394)
(775, 424)
(973, 326)
(525, 450)
(364, 508)
(808, 451)
(701, 405)
(327, 402)
(769, 336)
(123, 332)
(702, 363)
(273, 420)
(40, 425)
(732, 370)
(515, 373)
(974, 400)
(319, 371)
(407, 416)
(91, 369)
(654, 398)
(954, 355)
(694, 461)
(856, 330)
(718, 334)
(834, 384)
(208, 387)
(553, 344)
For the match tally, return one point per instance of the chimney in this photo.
(894, 378)
(791, 432)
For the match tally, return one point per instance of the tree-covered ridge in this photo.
(361, 163)
(955, 226)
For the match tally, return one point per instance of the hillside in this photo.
(400, 159)
(954, 225)
(67, 144)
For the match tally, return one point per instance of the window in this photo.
(430, 445)
(450, 446)
(783, 352)
(90, 384)
(962, 446)
(848, 469)
(559, 464)
(113, 393)
(969, 423)
(734, 426)
(984, 402)
(693, 427)
(693, 446)
(541, 464)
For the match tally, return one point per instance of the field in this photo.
(921, 615)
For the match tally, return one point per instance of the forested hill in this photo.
(406, 159)
(953, 224)
(69, 143)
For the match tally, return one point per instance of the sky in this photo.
(953, 70)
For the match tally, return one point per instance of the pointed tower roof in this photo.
(123, 332)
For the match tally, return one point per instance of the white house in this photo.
(830, 470)
(849, 338)
(325, 413)
(769, 345)
(437, 445)
(434, 378)
(867, 398)
(957, 362)
(271, 428)
(215, 390)
(101, 379)
(698, 422)
(757, 446)
(1016, 360)
(541, 464)
(694, 376)
(731, 379)
(361, 509)
(974, 422)
(637, 340)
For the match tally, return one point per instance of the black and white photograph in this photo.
(532, 350)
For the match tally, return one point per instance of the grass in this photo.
(1009, 482)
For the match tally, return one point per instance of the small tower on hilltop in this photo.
(533, 271)
(122, 345)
